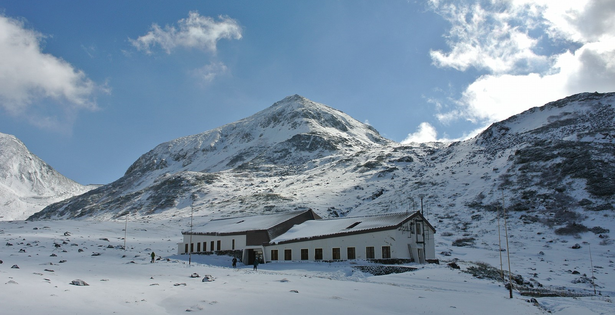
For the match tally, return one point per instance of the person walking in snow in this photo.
(255, 264)
(153, 257)
(234, 262)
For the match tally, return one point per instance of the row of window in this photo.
(211, 246)
(335, 253)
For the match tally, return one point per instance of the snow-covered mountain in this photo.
(27, 183)
(552, 165)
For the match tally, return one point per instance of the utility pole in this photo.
(190, 247)
(500, 245)
(510, 290)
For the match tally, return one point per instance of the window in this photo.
(369, 252)
(351, 253)
(191, 247)
(288, 254)
(386, 251)
(274, 254)
(211, 246)
(219, 243)
(418, 228)
(336, 253)
(186, 248)
(304, 254)
(198, 247)
(318, 254)
(233, 248)
(204, 246)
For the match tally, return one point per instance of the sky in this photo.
(89, 86)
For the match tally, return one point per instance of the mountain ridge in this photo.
(27, 183)
(369, 174)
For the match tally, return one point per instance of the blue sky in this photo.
(89, 86)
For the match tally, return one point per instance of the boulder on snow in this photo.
(79, 283)
(67, 233)
(453, 265)
(14, 267)
(194, 275)
(208, 278)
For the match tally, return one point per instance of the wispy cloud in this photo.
(512, 44)
(209, 72)
(43, 89)
(196, 31)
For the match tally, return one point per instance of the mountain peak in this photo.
(289, 132)
(27, 183)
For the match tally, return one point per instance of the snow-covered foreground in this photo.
(125, 282)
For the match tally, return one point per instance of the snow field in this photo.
(125, 282)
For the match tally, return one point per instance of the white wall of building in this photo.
(397, 240)
(227, 242)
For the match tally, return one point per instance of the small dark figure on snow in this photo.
(234, 262)
(153, 256)
(255, 264)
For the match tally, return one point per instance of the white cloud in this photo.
(502, 38)
(492, 39)
(30, 78)
(209, 72)
(196, 31)
(425, 133)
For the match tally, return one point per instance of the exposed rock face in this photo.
(554, 164)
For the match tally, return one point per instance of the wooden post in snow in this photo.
(591, 264)
(125, 230)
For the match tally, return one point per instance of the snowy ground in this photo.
(125, 282)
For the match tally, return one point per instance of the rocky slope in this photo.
(27, 183)
(553, 165)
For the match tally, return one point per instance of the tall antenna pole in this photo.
(423, 227)
(510, 290)
(421, 196)
(190, 247)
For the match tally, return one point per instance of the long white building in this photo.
(303, 235)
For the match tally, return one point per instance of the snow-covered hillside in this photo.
(550, 162)
(27, 183)
(551, 167)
